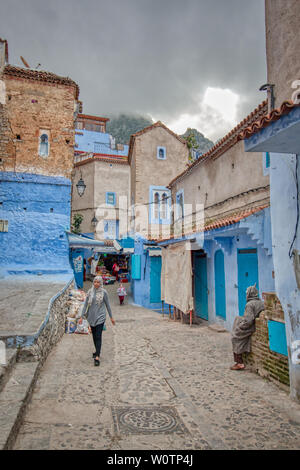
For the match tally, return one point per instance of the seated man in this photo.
(244, 327)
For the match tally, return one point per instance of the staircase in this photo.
(259, 229)
(17, 380)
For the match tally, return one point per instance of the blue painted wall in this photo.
(284, 216)
(141, 288)
(240, 240)
(85, 142)
(38, 210)
(281, 139)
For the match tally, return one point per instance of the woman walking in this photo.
(94, 309)
(244, 327)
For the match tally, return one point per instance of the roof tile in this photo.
(40, 76)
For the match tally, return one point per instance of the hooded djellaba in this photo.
(244, 327)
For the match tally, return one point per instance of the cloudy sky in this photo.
(192, 63)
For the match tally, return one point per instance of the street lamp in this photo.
(81, 187)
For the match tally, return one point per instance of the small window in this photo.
(267, 160)
(111, 199)
(161, 153)
(44, 145)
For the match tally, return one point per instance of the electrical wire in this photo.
(297, 221)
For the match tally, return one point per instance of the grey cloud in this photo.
(146, 56)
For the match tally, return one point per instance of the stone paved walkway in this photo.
(161, 385)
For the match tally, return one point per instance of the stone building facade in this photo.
(282, 40)
(37, 111)
(105, 197)
(221, 210)
(156, 155)
(103, 166)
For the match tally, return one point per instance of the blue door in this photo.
(200, 286)
(220, 296)
(247, 274)
(77, 265)
(155, 275)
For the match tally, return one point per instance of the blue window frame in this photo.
(161, 153)
(160, 205)
(110, 198)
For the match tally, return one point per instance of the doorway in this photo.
(247, 274)
(200, 285)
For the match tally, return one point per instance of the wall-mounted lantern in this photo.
(81, 187)
(94, 221)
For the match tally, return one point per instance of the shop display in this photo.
(75, 306)
(70, 325)
(82, 328)
(106, 276)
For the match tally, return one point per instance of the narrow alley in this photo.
(161, 385)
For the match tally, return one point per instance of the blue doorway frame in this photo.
(220, 288)
(247, 274)
(200, 285)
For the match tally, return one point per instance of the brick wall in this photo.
(7, 149)
(31, 107)
(262, 360)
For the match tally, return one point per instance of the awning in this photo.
(98, 246)
(81, 241)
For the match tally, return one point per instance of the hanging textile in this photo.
(176, 276)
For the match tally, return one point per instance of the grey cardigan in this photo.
(96, 315)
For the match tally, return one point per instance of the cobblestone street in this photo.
(161, 385)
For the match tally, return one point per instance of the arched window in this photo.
(164, 206)
(161, 153)
(156, 205)
(44, 146)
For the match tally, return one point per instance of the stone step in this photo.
(5, 370)
(14, 398)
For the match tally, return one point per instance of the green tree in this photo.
(77, 219)
(191, 143)
(196, 141)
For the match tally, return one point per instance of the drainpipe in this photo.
(270, 94)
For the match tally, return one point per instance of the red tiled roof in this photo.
(233, 218)
(40, 76)
(228, 141)
(104, 158)
(149, 128)
(263, 122)
(223, 221)
(94, 118)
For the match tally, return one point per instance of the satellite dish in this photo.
(24, 62)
